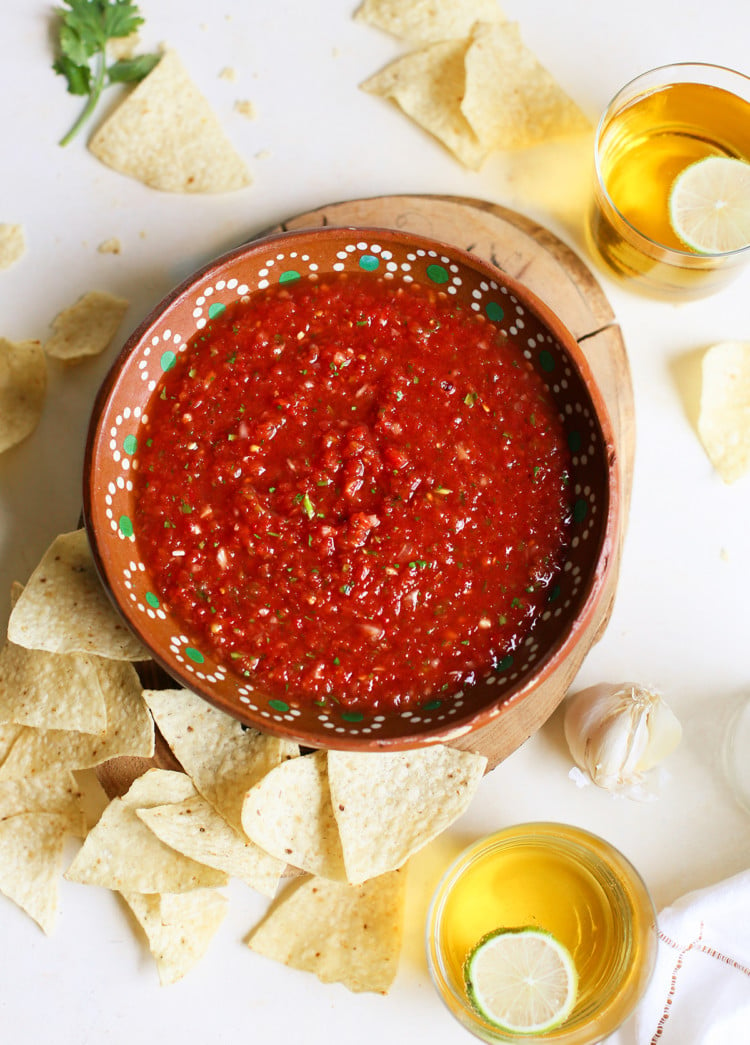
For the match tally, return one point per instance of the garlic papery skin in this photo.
(618, 732)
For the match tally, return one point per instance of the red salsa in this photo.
(353, 491)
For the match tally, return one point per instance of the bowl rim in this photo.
(465, 723)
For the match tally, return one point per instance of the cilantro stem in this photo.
(96, 90)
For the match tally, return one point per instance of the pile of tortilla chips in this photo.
(340, 826)
(470, 80)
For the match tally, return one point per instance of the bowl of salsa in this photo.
(355, 487)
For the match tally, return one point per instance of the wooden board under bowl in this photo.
(533, 255)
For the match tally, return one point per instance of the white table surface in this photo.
(681, 620)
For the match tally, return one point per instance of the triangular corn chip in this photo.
(50, 690)
(31, 852)
(724, 419)
(56, 793)
(122, 853)
(12, 244)
(289, 813)
(87, 327)
(342, 933)
(390, 804)
(23, 387)
(222, 757)
(510, 100)
(427, 21)
(129, 730)
(428, 84)
(64, 609)
(195, 829)
(178, 926)
(166, 135)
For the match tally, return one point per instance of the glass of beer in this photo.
(672, 168)
(567, 906)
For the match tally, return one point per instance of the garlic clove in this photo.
(618, 732)
(665, 733)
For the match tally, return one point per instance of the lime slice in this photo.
(521, 980)
(709, 205)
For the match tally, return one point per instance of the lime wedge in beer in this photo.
(709, 205)
(521, 980)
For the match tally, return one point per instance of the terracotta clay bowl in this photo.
(112, 462)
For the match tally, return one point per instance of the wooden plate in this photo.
(533, 255)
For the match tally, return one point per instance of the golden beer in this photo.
(561, 880)
(656, 126)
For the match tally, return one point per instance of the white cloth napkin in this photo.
(700, 990)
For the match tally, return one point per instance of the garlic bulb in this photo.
(616, 733)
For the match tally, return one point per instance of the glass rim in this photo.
(675, 252)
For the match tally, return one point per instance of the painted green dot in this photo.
(194, 654)
(574, 442)
(505, 663)
(289, 276)
(168, 360)
(494, 311)
(433, 705)
(216, 309)
(152, 600)
(437, 273)
(352, 716)
(130, 444)
(554, 593)
(369, 262)
(546, 361)
(580, 509)
(126, 526)
(278, 705)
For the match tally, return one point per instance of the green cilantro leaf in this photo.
(131, 70)
(85, 28)
(78, 76)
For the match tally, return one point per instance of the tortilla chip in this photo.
(64, 608)
(87, 327)
(179, 927)
(166, 135)
(31, 853)
(511, 101)
(427, 21)
(12, 244)
(130, 731)
(23, 387)
(223, 758)
(390, 804)
(50, 690)
(344, 934)
(195, 829)
(289, 814)
(122, 853)
(9, 734)
(724, 418)
(428, 85)
(56, 793)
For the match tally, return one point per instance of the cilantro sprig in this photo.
(86, 26)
